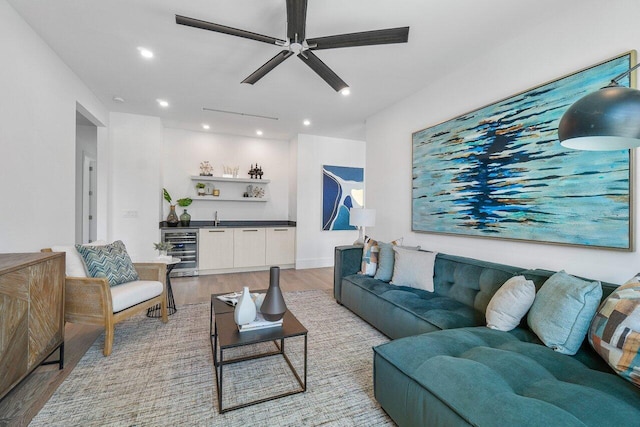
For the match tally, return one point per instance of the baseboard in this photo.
(302, 264)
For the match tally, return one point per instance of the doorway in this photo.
(86, 179)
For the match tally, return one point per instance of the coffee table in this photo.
(225, 335)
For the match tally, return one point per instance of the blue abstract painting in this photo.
(501, 172)
(342, 189)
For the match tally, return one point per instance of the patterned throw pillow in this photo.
(615, 331)
(369, 257)
(109, 261)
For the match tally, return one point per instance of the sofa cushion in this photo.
(440, 311)
(109, 261)
(562, 311)
(615, 331)
(131, 293)
(497, 378)
(470, 281)
(413, 268)
(510, 303)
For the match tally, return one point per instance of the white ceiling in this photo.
(194, 68)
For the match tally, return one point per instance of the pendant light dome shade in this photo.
(608, 119)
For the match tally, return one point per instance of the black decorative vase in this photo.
(172, 218)
(273, 307)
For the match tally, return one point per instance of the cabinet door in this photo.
(281, 245)
(46, 309)
(249, 247)
(14, 328)
(215, 248)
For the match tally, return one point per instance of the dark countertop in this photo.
(232, 224)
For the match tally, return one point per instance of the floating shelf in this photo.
(230, 199)
(222, 179)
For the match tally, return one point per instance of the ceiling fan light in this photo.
(608, 119)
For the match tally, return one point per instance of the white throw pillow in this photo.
(510, 303)
(413, 268)
(74, 265)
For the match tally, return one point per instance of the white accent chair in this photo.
(92, 301)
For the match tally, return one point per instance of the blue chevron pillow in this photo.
(110, 261)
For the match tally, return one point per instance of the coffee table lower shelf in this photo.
(225, 335)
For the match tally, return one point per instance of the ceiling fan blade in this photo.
(268, 66)
(323, 70)
(204, 25)
(365, 38)
(296, 20)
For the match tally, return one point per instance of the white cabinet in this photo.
(215, 248)
(249, 247)
(280, 245)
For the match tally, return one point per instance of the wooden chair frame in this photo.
(87, 300)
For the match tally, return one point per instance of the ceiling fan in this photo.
(297, 43)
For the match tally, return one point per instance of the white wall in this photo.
(594, 32)
(135, 149)
(185, 150)
(314, 246)
(37, 139)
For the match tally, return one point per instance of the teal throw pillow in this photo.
(386, 259)
(562, 311)
(109, 261)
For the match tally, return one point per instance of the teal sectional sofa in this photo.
(443, 367)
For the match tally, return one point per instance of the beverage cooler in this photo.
(185, 247)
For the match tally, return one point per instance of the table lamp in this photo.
(361, 218)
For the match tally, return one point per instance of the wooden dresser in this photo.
(31, 313)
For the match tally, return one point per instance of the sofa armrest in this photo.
(347, 261)
(87, 299)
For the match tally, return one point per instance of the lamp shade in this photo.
(362, 217)
(608, 119)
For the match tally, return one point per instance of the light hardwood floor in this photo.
(21, 404)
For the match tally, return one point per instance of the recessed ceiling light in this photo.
(145, 53)
(118, 99)
(306, 122)
(162, 103)
(259, 132)
(206, 126)
(346, 91)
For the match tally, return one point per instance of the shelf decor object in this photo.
(273, 307)
(245, 311)
(501, 172)
(342, 189)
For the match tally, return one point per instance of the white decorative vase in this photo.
(245, 311)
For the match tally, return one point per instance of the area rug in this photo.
(162, 374)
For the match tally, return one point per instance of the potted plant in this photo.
(185, 218)
(162, 248)
(200, 187)
(172, 218)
